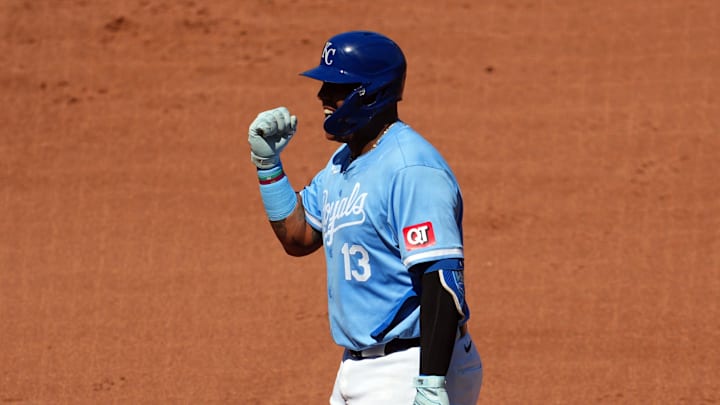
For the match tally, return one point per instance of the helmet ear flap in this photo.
(367, 99)
(384, 94)
(359, 108)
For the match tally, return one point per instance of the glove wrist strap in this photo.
(429, 381)
(277, 195)
(271, 175)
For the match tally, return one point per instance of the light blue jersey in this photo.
(391, 208)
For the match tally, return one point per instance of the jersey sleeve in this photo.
(426, 214)
(312, 202)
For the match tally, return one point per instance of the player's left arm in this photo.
(439, 317)
(432, 246)
(427, 215)
(441, 306)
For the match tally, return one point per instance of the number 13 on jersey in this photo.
(357, 254)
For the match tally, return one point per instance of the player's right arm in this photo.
(268, 135)
(297, 237)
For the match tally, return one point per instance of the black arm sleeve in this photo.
(438, 326)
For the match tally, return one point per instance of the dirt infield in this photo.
(137, 266)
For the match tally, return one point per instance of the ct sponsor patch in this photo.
(419, 236)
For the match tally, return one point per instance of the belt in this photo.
(395, 345)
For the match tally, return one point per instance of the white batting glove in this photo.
(431, 390)
(268, 135)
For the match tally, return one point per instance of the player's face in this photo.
(332, 96)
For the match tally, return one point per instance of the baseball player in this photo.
(387, 210)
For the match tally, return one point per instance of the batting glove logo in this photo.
(419, 236)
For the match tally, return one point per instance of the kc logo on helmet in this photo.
(328, 53)
(419, 236)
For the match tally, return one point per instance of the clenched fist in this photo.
(268, 135)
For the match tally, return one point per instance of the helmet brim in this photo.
(332, 75)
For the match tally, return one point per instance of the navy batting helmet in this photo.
(372, 61)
